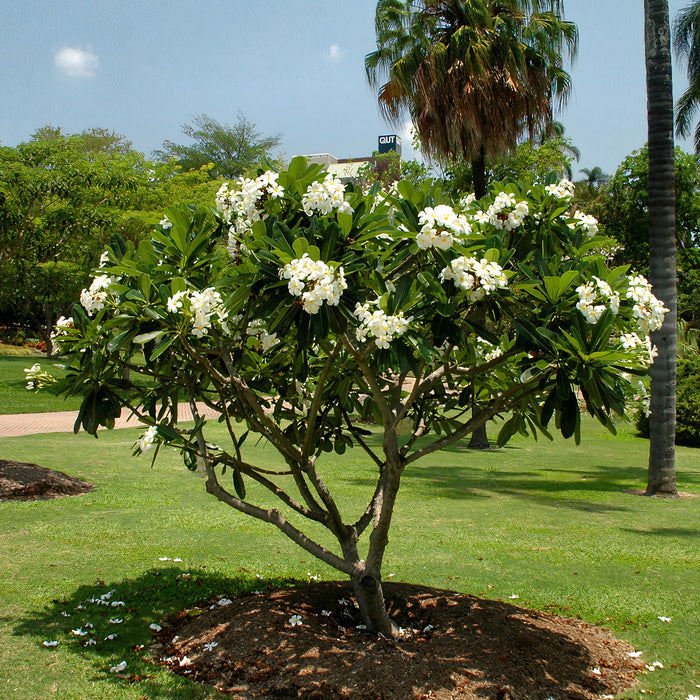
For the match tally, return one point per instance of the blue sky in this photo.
(144, 67)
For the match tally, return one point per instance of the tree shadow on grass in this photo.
(111, 622)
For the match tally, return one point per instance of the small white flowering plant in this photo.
(303, 308)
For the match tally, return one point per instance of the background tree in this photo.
(624, 208)
(686, 43)
(61, 198)
(234, 149)
(662, 246)
(306, 312)
(473, 76)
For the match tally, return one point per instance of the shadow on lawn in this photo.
(126, 609)
(543, 486)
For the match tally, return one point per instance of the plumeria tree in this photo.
(323, 318)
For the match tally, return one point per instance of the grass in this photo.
(548, 522)
(14, 397)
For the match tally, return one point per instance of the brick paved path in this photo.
(17, 424)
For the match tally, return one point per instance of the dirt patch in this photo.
(455, 646)
(23, 481)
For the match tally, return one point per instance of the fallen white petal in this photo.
(118, 668)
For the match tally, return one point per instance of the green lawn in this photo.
(548, 522)
(14, 397)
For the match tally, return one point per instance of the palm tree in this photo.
(474, 75)
(595, 177)
(686, 43)
(662, 246)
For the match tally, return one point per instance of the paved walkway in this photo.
(14, 425)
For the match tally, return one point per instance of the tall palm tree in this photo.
(686, 42)
(662, 246)
(474, 75)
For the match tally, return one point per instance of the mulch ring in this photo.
(23, 481)
(455, 646)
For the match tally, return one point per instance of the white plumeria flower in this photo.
(314, 281)
(147, 440)
(115, 620)
(596, 671)
(664, 619)
(110, 637)
(343, 601)
(225, 601)
(634, 654)
(117, 604)
(185, 661)
(295, 620)
(209, 646)
(90, 642)
(52, 643)
(163, 558)
(155, 627)
(118, 668)
(515, 596)
(79, 632)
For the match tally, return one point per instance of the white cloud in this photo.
(334, 52)
(76, 63)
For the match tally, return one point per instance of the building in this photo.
(350, 169)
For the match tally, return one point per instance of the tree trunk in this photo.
(479, 439)
(479, 174)
(370, 599)
(662, 246)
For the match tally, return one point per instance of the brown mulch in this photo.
(23, 481)
(455, 646)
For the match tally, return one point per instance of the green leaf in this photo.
(147, 337)
(300, 246)
(238, 484)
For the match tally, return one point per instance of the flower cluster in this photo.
(487, 351)
(441, 227)
(594, 298)
(323, 196)
(241, 204)
(505, 212)
(37, 378)
(241, 201)
(314, 281)
(204, 306)
(94, 298)
(379, 325)
(585, 221)
(257, 330)
(148, 439)
(478, 277)
(648, 310)
(564, 189)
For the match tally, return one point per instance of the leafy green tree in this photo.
(686, 43)
(662, 246)
(234, 149)
(474, 76)
(306, 310)
(60, 201)
(623, 207)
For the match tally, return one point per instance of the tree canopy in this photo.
(322, 318)
(233, 149)
(473, 76)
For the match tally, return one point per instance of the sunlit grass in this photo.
(549, 522)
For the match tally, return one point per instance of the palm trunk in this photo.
(662, 247)
(479, 174)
